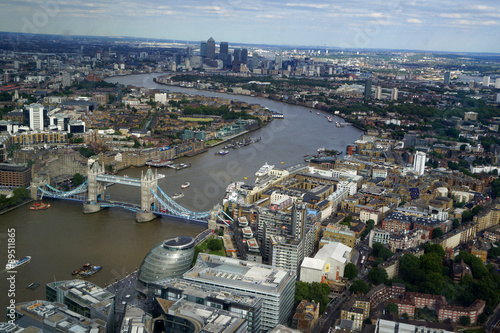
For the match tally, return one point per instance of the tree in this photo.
(215, 244)
(436, 233)
(409, 268)
(359, 286)
(393, 308)
(350, 271)
(464, 320)
(78, 179)
(377, 275)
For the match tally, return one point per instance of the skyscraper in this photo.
(224, 48)
(203, 49)
(211, 48)
(368, 89)
(497, 83)
(237, 55)
(36, 117)
(394, 94)
(244, 55)
(486, 81)
(419, 163)
(447, 77)
(378, 92)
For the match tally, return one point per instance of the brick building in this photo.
(15, 175)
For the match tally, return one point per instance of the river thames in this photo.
(62, 238)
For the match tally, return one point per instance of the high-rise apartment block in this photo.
(394, 94)
(419, 162)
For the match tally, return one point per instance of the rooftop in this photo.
(244, 274)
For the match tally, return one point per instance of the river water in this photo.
(62, 238)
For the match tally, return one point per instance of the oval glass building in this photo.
(169, 259)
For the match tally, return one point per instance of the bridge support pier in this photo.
(144, 216)
(89, 208)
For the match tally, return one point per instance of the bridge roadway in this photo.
(119, 180)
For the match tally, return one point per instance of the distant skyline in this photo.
(434, 25)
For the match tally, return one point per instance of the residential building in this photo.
(15, 175)
(394, 94)
(338, 233)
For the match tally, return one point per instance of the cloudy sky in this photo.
(442, 25)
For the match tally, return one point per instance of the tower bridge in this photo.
(92, 193)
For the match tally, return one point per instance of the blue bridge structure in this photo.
(154, 201)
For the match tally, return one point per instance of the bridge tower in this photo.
(149, 181)
(95, 188)
(212, 220)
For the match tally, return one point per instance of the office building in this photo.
(486, 81)
(275, 286)
(203, 49)
(189, 317)
(84, 298)
(249, 306)
(224, 48)
(210, 48)
(378, 92)
(447, 78)
(244, 56)
(42, 316)
(394, 94)
(36, 117)
(329, 262)
(255, 61)
(419, 162)
(368, 89)
(170, 258)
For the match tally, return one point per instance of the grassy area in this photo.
(212, 142)
(197, 120)
(221, 253)
(203, 247)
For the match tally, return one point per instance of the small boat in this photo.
(306, 155)
(39, 206)
(185, 185)
(81, 269)
(317, 113)
(11, 264)
(222, 152)
(330, 119)
(178, 195)
(310, 111)
(33, 286)
(91, 271)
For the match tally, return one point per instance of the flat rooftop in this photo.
(239, 273)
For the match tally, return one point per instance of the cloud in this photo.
(413, 20)
(451, 15)
(308, 5)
